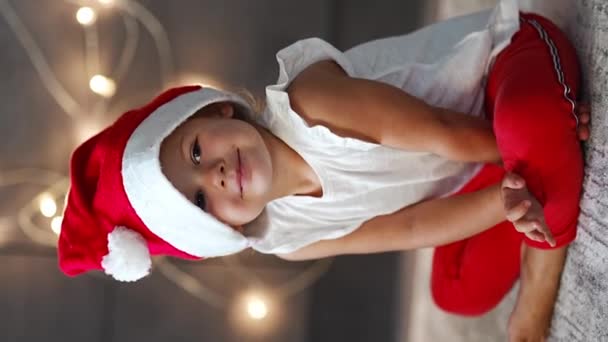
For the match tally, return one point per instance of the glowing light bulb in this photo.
(106, 2)
(257, 308)
(102, 85)
(56, 224)
(86, 16)
(48, 207)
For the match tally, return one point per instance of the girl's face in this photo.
(220, 163)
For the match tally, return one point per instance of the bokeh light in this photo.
(48, 207)
(256, 308)
(56, 224)
(86, 16)
(102, 85)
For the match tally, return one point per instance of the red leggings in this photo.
(535, 126)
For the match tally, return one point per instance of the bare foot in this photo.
(531, 319)
(523, 210)
(540, 278)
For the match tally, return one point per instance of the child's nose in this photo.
(214, 176)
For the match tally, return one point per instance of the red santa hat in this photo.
(121, 209)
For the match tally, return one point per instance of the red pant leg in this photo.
(530, 91)
(471, 276)
(536, 134)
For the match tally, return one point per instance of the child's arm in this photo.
(472, 139)
(425, 224)
(374, 111)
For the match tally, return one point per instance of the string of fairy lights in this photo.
(40, 218)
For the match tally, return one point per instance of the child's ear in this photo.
(226, 109)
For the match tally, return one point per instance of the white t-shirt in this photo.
(361, 180)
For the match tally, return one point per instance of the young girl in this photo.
(382, 148)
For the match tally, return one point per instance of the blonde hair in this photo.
(256, 104)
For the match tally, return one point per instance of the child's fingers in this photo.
(525, 226)
(541, 233)
(545, 232)
(518, 211)
(513, 181)
(536, 236)
(548, 235)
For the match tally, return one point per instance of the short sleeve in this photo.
(298, 56)
(282, 120)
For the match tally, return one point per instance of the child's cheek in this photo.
(229, 211)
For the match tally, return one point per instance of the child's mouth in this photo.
(239, 172)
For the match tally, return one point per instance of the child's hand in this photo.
(583, 112)
(523, 210)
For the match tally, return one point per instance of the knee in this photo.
(526, 114)
(529, 129)
(454, 298)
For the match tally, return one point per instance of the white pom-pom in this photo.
(128, 258)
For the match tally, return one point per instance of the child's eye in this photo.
(195, 153)
(199, 200)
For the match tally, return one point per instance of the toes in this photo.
(583, 107)
(583, 133)
(584, 118)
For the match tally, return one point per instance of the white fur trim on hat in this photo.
(128, 258)
(161, 207)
